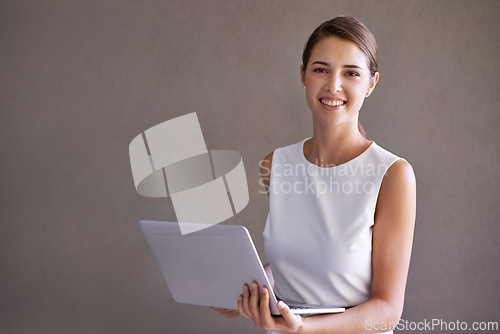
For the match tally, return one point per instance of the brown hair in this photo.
(348, 28)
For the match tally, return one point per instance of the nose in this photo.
(334, 83)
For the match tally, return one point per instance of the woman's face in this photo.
(337, 80)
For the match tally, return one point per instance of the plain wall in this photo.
(80, 79)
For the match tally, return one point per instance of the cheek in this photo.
(313, 82)
(312, 88)
(357, 89)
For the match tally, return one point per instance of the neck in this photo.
(335, 145)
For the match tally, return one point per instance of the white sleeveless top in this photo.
(318, 234)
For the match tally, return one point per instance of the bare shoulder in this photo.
(265, 165)
(265, 170)
(400, 173)
(397, 195)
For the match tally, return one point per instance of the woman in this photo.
(342, 209)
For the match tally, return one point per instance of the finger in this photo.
(265, 313)
(245, 300)
(254, 303)
(292, 320)
(240, 307)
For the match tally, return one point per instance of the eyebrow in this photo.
(326, 64)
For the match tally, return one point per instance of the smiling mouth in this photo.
(332, 103)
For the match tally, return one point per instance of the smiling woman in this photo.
(337, 81)
(332, 246)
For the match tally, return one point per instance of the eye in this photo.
(320, 70)
(352, 74)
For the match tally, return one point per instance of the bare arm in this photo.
(265, 177)
(392, 242)
(265, 171)
(269, 274)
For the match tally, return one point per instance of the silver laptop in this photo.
(209, 267)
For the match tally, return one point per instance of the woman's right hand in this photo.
(228, 313)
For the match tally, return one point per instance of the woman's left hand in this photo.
(260, 314)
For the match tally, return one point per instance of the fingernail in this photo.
(245, 288)
(254, 286)
(281, 305)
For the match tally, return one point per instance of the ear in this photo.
(302, 76)
(373, 83)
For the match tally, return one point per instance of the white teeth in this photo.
(334, 103)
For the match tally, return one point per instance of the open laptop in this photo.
(209, 267)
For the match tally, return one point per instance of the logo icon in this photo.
(172, 159)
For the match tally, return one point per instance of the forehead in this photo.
(337, 51)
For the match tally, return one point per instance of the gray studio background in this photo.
(80, 79)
